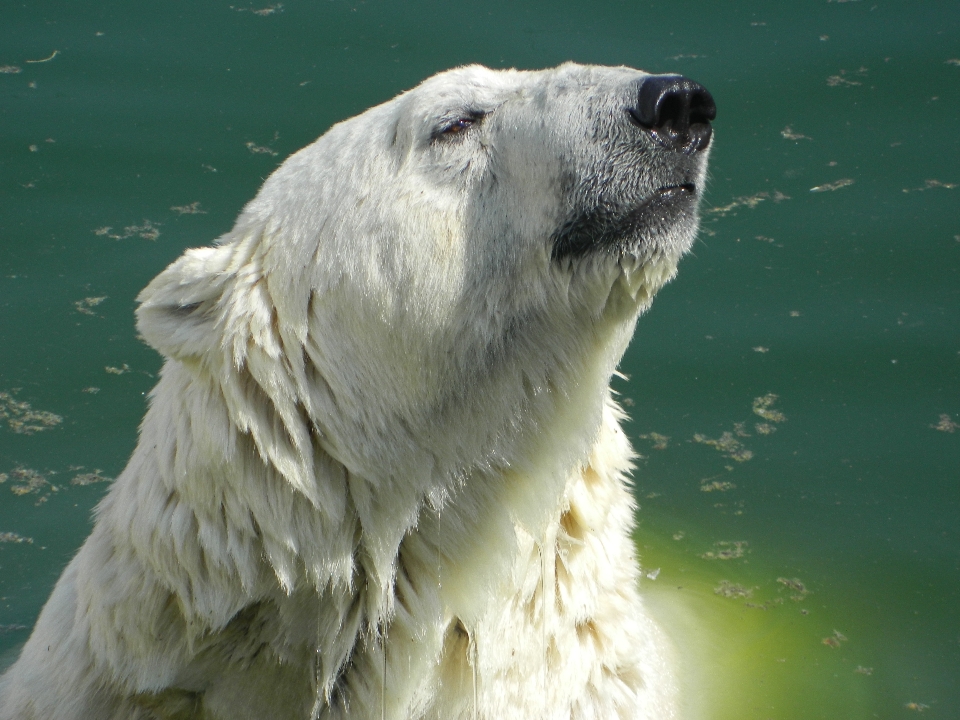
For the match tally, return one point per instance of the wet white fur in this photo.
(383, 426)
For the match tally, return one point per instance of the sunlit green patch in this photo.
(750, 641)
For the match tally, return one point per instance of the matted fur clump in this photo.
(382, 474)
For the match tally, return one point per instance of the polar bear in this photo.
(382, 473)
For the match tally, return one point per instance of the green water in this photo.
(841, 302)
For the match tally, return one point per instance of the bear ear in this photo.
(178, 309)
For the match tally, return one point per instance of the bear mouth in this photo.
(647, 225)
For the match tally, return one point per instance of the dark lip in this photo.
(673, 192)
(664, 197)
(600, 231)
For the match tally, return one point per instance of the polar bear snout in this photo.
(676, 111)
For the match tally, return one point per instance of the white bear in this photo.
(382, 474)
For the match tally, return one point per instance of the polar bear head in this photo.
(434, 282)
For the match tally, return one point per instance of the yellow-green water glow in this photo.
(762, 656)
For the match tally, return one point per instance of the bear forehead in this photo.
(482, 88)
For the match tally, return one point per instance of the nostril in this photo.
(672, 111)
(676, 110)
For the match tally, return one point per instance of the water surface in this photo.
(808, 544)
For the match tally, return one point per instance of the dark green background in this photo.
(851, 295)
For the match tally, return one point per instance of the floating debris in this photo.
(946, 424)
(795, 313)
(118, 370)
(731, 590)
(12, 628)
(191, 209)
(46, 59)
(761, 407)
(835, 639)
(717, 486)
(765, 606)
(22, 418)
(262, 12)
(795, 584)
(838, 80)
(861, 670)
(841, 80)
(953, 61)
(765, 428)
(761, 349)
(726, 444)
(15, 538)
(789, 134)
(10, 69)
(30, 482)
(86, 305)
(680, 535)
(91, 390)
(147, 231)
(749, 201)
(843, 182)
(928, 184)
(919, 707)
(764, 238)
(90, 478)
(659, 441)
(652, 575)
(728, 550)
(260, 149)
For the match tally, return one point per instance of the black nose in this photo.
(677, 112)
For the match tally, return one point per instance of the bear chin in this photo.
(665, 221)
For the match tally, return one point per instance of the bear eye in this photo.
(458, 125)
